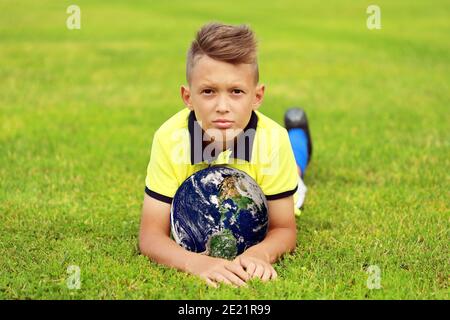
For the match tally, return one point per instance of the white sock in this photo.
(301, 191)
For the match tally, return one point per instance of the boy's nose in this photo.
(222, 105)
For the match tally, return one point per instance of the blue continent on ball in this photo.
(219, 211)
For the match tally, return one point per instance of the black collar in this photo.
(243, 143)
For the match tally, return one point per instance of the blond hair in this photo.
(227, 43)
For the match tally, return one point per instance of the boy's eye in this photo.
(210, 91)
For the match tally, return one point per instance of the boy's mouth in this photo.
(223, 123)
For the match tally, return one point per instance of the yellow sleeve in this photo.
(160, 182)
(280, 177)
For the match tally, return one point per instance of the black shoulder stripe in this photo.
(282, 194)
(158, 196)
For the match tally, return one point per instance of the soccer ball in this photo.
(219, 211)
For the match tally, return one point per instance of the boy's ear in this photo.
(259, 96)
(186, 97)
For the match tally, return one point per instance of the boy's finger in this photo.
(238, 261)
(233, 278)
(221, 278)
(251, 267)
(259, 271)
(267, 274)
(274, 274)
(238, 270)
(243, 262)
(210, 283)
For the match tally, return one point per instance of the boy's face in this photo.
(222, 95)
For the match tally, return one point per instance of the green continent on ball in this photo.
(223, 245)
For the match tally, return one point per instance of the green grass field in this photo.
(78, 109)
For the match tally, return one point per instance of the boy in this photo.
(221, 125)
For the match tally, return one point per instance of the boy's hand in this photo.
(256, 267)
(214, 270)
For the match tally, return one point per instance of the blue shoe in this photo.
(295, 117)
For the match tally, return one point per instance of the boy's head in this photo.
(222, 75)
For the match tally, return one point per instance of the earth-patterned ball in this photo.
(219, 211)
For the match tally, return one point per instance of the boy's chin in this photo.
(223, 135)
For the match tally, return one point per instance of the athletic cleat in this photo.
(295, 117)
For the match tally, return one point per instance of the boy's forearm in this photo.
(277, 242)
(163, 250)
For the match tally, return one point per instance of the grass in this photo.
(78, 110)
